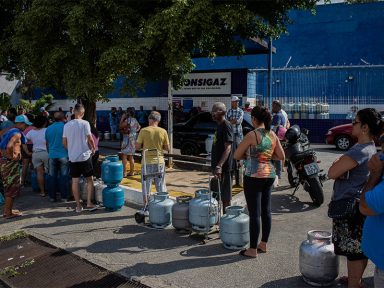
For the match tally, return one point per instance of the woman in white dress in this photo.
(129, 127)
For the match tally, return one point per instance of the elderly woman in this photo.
(350, 173)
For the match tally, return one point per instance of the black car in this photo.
(190, 136)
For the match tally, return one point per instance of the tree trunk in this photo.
(90, 111)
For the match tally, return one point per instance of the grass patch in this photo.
(13, 271)
(13, 236)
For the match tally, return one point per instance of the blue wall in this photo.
(337, 34)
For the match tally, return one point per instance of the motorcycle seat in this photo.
(298, 157)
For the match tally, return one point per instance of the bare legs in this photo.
(355, 272)
(40, 179)
(89, 192)
(25, 168)
(75, 191)
(125, 159)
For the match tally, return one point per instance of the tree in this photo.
(80, 47)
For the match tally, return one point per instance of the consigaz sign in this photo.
(206, 84)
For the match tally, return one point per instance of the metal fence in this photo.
(338, 88)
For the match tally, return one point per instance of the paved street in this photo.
(163, 258)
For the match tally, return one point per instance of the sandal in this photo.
(242, 253)
(131, 174)
(13, 215)
(259, 250)
(43, 194)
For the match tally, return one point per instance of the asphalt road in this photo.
(163, 258)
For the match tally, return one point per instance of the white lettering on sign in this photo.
(206, 83)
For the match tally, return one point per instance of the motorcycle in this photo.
(302, 167)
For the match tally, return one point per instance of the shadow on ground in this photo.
(298, 282)
(286, 203)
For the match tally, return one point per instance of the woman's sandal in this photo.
(259, 250)
(15, 213)
(242, 253)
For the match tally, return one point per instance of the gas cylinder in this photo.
(99, 187)
(208, 143)
(83, 189)
(112, 170)
(318, 263)
(234, 228)
(203, 211)
(160, 210)
(113, 198)
(180, 213)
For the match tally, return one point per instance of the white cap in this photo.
(235, 99)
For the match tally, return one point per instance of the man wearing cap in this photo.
(10, 147)
(235, 117)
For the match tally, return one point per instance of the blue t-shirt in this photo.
(54, 138)
(278, 119)
(373, 232)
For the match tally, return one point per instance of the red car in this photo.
(341, 136)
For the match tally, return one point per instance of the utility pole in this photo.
(170, 122)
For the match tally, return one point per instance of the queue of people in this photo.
(358, 174)
(68, 148)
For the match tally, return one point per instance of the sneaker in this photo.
(79, 210)
(52, 200)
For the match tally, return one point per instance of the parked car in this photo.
(190, 136)
(341, 136)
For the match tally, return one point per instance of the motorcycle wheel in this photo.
(293, 180)
(315, 190)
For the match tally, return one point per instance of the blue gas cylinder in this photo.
(112, 170)
(234, 228)
(113, 197)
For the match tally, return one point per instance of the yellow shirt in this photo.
(153, 138)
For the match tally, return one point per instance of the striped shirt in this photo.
(238, 115)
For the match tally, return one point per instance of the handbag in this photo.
(343, 208)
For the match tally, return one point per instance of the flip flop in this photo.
(13, 215)
(261, 250)
(242, 253)
(91, 209)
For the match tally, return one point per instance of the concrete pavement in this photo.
(163, 258)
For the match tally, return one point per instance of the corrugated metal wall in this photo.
(340, 87)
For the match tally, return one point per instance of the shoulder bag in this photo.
(343, 208)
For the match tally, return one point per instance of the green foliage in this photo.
(5, 101)
(13, 236)
(34, 108)
(80, 47)
(13, 271)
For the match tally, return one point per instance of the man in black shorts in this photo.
(221, 162)
(77, 138)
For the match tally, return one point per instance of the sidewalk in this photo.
(164, 258)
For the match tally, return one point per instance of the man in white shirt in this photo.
(68, 115)
(77, 139)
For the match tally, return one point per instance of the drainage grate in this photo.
(34, 264)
